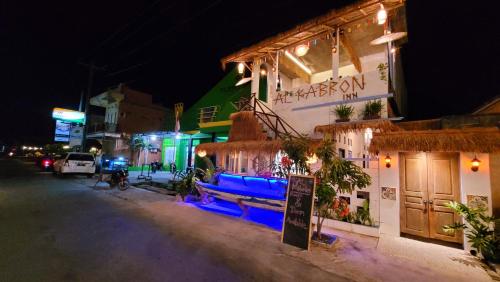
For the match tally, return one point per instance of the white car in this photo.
(75, 163)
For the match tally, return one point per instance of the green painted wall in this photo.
(222, 94)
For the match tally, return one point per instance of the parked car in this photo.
(46, 162)
(75, 163)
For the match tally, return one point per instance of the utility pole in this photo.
(92, 67)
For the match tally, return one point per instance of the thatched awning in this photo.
(480, 140)
(382, 125)
(268, 147)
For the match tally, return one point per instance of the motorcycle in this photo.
(119, 178)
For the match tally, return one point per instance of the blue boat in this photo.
(261, 192)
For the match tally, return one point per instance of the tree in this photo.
(335, 176)
(296, 149)
(139, 143)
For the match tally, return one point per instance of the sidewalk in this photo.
(251, 247)
(159, 176)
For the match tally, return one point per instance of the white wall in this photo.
(389, 209)
(474, 183)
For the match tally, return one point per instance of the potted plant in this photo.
(480, 230)
(344, 113)
(372, 109)
(335, 176)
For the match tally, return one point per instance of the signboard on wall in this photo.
(317, 101)
(62, 132)
(298, 212)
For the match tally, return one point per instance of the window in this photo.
(80, 157)
(342, 153)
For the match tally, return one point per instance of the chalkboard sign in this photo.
(298, 212)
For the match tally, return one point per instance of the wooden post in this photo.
(336, 55)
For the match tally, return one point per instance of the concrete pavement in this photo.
(62, 230)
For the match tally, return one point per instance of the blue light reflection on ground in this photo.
(272, 219)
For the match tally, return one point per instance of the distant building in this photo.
(127, 112)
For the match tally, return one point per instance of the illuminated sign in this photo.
(68, 115)
(63, 130)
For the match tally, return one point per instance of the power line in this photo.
(122, 28)
(189, 19)
(130, 34)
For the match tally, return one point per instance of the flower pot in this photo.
(342, 120)
(327, 240)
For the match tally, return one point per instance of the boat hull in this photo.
(252, 201)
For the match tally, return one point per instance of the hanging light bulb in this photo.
(202, 153)
(301, 50)
(381, 15)
(241, 68)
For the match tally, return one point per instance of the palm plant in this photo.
(344, 112)
(480, 230)
(372, 109)
(335, 176)
(296, 149)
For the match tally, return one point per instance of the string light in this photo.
(381, 15)
(241, 68)
(301, 50)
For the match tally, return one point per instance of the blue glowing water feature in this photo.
(269, 218)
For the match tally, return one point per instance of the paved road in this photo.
(54, 229)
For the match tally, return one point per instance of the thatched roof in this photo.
(383, 125)
(245, 127)
(246, 134)
(311, 29)
(481, 140)
(269, 147)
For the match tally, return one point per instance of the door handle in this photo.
(431, 205)
(425, 205)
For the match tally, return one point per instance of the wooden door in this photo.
(414, 218)
(443, 187)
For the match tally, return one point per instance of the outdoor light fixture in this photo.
(202, 153)
(241, 68)
(387, 161)
(474, 164)
(24, 147)
(66, 147)
(381, 15)
(301, 50)
(298, 63)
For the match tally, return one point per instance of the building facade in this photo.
(302, 78)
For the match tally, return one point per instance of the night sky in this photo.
(172, 50)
